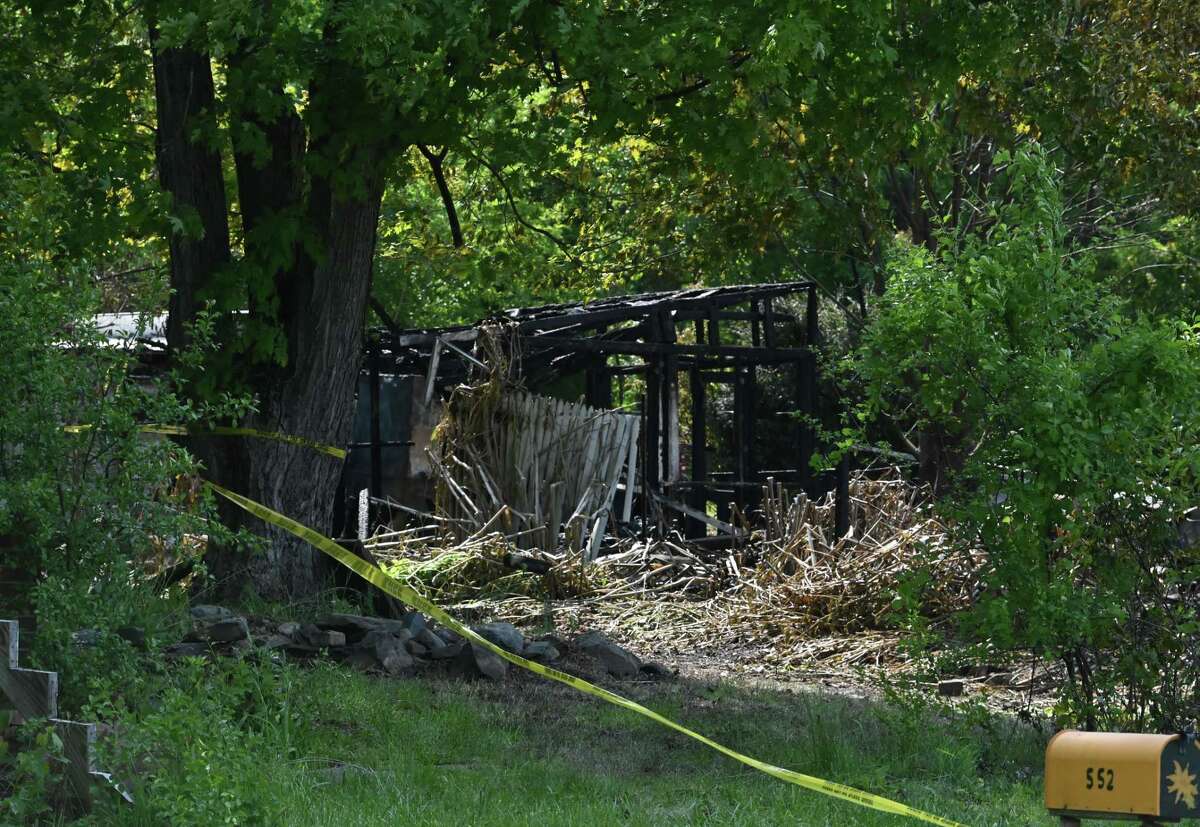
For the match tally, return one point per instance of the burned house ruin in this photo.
(663, 359)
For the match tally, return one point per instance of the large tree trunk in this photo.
(316, 295)
(312, 396)
(190, 172)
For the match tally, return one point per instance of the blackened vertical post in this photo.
(805, 405)
(768, 323)
(807, 392)
(698, 495)
(739, 435)
(669, 424)
(749, 424)
(651, 459)
(598, 388)
(755, 323)
(376, 437)
(841, 505)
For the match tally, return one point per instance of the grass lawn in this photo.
(433, 751)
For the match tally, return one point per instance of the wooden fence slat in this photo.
(10, 643)
(34, 694)
(631, 471)
(79, 741)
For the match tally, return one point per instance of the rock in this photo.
(133, 635)
(228, 631)
(301, 650)
(555, 641)
(414, 623)
(186, 650)
(490, 664)
(356, 627)
(210, 614)
(447, 635)
(951, 688)
(446, 652)
(477, 662)
(429, 640)
(656, 670)
(276, 642)
(542, 650)
(324, 638)
(289, 629)
(87, 637)
(399, 663)
(616, 660)
(504, 635)
(382, 643)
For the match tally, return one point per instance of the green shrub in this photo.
(192, 743)
(28, 771)
(82, 511)
(1069, 445)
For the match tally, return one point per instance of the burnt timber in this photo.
(661, 337)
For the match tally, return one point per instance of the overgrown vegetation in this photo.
(996, 199)
(1066, 423)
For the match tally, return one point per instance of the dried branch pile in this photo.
(644, 568)
(808, 583)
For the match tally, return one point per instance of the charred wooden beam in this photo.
(761, 355)
(698, 498)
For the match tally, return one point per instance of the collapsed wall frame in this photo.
(659, 355)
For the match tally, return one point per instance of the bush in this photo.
(1070, 444)
(82, 511)
(191, 742)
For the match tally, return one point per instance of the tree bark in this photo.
(316, 293)
(323, 312)
(190, 171)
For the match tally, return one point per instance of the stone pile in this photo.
(400, 647)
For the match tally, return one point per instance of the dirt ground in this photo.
(698, 640)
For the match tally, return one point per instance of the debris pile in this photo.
(793, 592)
(807, 582)
(449, 570)
(644, 568)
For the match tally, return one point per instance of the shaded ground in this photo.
(433, 750)
(526, 751)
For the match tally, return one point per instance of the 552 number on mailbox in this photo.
(1100, 778)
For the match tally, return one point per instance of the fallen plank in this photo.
(688, 511)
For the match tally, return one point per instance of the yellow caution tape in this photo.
(184, 430)
(396, 589)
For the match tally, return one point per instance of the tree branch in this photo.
(512, 204)
(435, 164)
(683, 91)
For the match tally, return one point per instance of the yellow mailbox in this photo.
(1112, 775)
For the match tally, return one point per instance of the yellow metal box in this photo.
(1122, 776)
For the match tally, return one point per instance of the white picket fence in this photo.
(555, 465)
